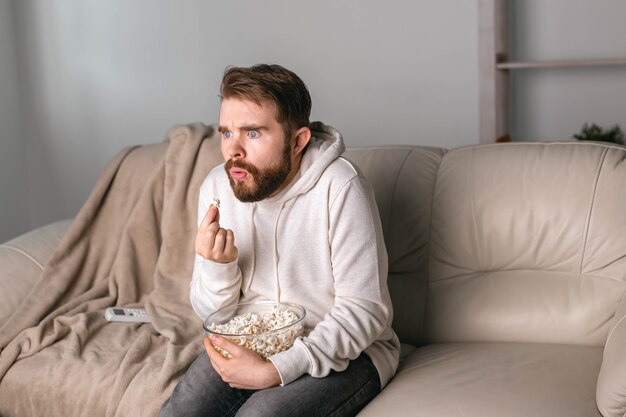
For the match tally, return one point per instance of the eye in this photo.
(254, 134)
(227, 134)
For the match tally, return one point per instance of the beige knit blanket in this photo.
(130, 245)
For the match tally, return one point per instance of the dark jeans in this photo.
(203, 393)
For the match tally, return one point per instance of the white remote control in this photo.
(128, 315)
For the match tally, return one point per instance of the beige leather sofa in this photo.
(507, 272)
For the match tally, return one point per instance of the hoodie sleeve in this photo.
(213, 285)
(362, 308)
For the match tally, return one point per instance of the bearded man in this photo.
(298, 224)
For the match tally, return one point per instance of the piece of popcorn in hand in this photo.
(215, 202)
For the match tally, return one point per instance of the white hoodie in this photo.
(318, 243)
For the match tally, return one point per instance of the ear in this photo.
(302, 138)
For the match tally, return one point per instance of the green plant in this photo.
(597, 133)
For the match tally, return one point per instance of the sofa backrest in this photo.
(403, 179)
(519, 242)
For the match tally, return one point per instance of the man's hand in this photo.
(213, 242)
(245, 370)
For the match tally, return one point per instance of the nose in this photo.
(233, 147)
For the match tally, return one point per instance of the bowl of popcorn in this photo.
(263, 327)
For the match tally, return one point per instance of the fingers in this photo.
(212, 215)
(233, 349)
(218, 361)
(217, 212)
(212, 241)
(244, 369)
(225, 344)
(216, 244)
(216, 357)
(219, 244)
(230, 250)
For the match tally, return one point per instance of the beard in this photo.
(264, 181)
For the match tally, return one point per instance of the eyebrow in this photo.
(246, 128)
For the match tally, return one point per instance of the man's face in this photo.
(258, 159)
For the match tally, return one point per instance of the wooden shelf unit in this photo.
(561, 64)
(494, 68)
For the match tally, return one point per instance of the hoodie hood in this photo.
(325, 146)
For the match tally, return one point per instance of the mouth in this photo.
(238, 173)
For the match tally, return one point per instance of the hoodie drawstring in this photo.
(280, 211)
(251, 240)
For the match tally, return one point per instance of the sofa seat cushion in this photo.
(493, 379)
(22, 260)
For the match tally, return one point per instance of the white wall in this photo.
(101, 75)
(13, 172)
(553, 104)
(80, 79)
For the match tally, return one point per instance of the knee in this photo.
(268, 406)
(258, 410)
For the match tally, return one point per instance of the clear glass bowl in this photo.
(265, 343)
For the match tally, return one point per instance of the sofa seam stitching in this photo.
(591, 207)
(395, 186)
(461, 275)
(429, 243)
(471, 179)
(390, 206)
(24, 253)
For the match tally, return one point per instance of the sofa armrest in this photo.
(21, 261)
(611, 388)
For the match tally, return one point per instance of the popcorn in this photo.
(260, 332)
(215, 202)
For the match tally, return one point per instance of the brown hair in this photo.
(274, 83)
